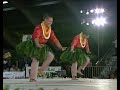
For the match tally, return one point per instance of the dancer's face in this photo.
(49, 21)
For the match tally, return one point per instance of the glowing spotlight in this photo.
(92, 11)
(87, 23)
(5, 2)
(81, 11)
(99, 21)
(98, 11)
(93, 21)
(87, 12)
(102, 10)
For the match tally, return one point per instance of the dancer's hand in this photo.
(88, 51)
(40, 45)
(72, 51)
(64, 48)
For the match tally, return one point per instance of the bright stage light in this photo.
(5, 2)
(92, 11)
(87, 23)
(99, 21)
(98, 11)
(87, 12)
(81, 11)
(102, 10)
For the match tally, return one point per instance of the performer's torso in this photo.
(42, 39)
(77, 41)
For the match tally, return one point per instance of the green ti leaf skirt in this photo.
(79, 55)
(29, 49)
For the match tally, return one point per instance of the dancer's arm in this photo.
(55, 41)
(72, 49)
(59, 46)
(36, 35)
(36, 40)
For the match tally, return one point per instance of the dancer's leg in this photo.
(46, 63)
(74, 70)
(82, 67)
(34, 69)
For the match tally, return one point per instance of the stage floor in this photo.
(62, 84)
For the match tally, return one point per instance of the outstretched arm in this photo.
(55, 41)
(59, 45)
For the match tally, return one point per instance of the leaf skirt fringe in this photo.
(79, 55)
(29, 49)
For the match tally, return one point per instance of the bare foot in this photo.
(33, 80)
(79, 72)
(42, 73)
(74, 78)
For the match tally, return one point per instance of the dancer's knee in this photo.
(50, 55)
(88, 59)
(34, 60)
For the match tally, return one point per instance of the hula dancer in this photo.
(77, 54)
(37, 48)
